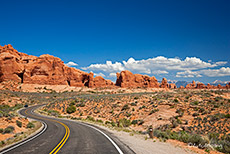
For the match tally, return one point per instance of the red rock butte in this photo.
(50, 70)
(45, 69)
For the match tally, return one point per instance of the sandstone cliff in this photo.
(127, 79)
(45, 69)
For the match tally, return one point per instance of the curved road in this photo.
(69, 137)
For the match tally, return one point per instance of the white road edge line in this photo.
(45, 127)
(114, 144)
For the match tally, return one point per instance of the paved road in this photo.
(68, 137)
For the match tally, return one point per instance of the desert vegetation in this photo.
(196, 117)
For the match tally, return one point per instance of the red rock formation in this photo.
(227, 86)
(99, 82)
(191, 85)
(220, 87)
(210, 86)
(45, 69)
(201, 86)
(172, 86)
(127, 79)
(164, 83)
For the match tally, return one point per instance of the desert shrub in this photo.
(225, 146)
(134, 122)
(90, 118)
(124, 122)
(80, 104)
(113, 123)
(136, 97)
(30, 125)
(17, 106)
(183, 136)
(72, 103)
(8, 129)
(107, 122)
(70, 109)
(201, 110)
(180, 112)
(195, 103)
(99, 120)
(161, 134)
(125, 107)
(141, 122)
(197, 140)
(2, 142)
(227, 116)
(173, 135)
(133, 104)
(176, 100)
(153, 111)
(19, 123)
(195, 114)
(53, 112)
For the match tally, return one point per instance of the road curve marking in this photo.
(114, 144)
(64, 139)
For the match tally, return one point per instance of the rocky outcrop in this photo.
(201, 86)
(227, 86)
(127, 79)
(164, 83)
(172, 86)
(45, 69)
(210, 86)
(191, 85)
(99, 81)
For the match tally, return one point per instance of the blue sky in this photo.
(147, 37)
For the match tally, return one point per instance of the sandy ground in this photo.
(140, 145)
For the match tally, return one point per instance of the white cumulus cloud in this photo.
(71, 64)
(112, 75)
(156, 65)
(188, 74)
(107, 67)
(99, 74)
(223, 71)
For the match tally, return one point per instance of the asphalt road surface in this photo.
(68, 137)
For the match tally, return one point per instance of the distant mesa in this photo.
(50, 70)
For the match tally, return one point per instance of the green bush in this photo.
(70, 109)
(90, 118)
(1, 130)
(197, 140)
(53, 112)
(8, 129)
(80, 105)
(160, 134)
(227, 116)
(19, 123)
(125, 107)
(176, 100)
(113, 123)
(134, 122)
(100, 121)
(30, 125)
(124, 122)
